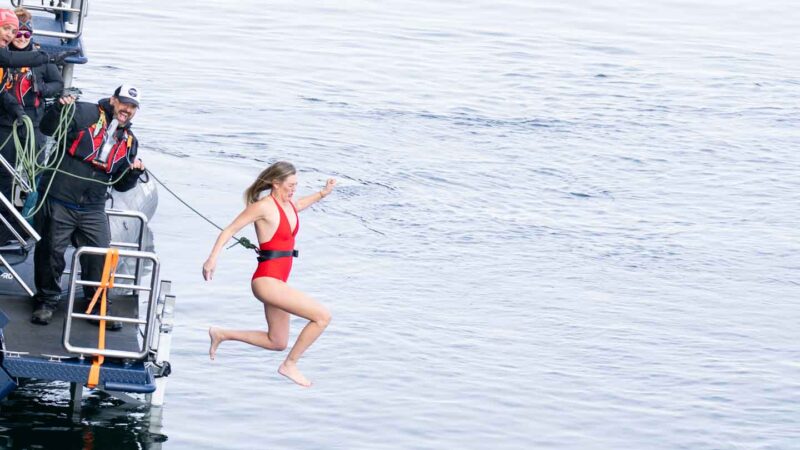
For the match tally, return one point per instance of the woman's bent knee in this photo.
(280, 346)
(277, 344)
(324, 318)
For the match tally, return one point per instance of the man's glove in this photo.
(58, 58)
(72, 91)
(19, 113)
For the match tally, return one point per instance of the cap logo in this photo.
(133, 93)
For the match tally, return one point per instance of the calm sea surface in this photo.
(559, 225)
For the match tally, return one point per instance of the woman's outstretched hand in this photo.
(328, 187)
(208, 269)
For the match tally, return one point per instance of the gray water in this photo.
(558, 225)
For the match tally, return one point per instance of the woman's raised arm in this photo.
(309, 200)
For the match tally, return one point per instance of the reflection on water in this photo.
(38, 415)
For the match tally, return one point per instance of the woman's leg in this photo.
(280, 295)
(275, 338)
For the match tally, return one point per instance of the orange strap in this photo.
(106, 283)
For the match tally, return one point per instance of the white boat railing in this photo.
(136, 245)
(6, 204)
(148, 321)
(76, 11)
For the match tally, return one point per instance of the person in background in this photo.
(101, 152)
(9, 25)
(9, 106)
(30, 87)
(276, 221)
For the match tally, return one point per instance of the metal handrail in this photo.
(16, 276)
(132, 245)
(118, 286)
(57, 34)
(76, 7)
(150, 316)
(164, 313)
(20, 220)
(139, 241)
(14, 213)
(6, 203)
(119, 318)
(49, 8)
(14, 174)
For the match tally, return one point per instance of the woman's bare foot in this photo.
(290, 371)
(216, 339)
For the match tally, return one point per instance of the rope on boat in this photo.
(28, 163)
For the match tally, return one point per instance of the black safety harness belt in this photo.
(266, 255)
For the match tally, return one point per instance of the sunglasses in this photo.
(24, 34)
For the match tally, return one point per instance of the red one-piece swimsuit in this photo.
(282, 240)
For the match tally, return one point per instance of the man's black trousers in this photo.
(60, 226)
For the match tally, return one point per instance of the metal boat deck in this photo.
(37, 351)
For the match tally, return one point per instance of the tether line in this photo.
(243, 241)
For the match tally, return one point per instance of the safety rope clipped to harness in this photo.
(106, 283)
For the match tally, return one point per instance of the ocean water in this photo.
(560, 225)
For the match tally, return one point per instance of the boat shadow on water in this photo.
(39, 416)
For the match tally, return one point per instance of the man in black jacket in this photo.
(101, 149)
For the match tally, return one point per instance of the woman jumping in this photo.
(276, 221)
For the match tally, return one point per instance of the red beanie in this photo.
(7, 17)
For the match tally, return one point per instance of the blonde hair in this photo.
(275, 173)
(23, 15)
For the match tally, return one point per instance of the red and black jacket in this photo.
(87, 143)
(85, 137)
(29, 86)
(8, 58)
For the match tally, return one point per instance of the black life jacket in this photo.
(90, 140)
